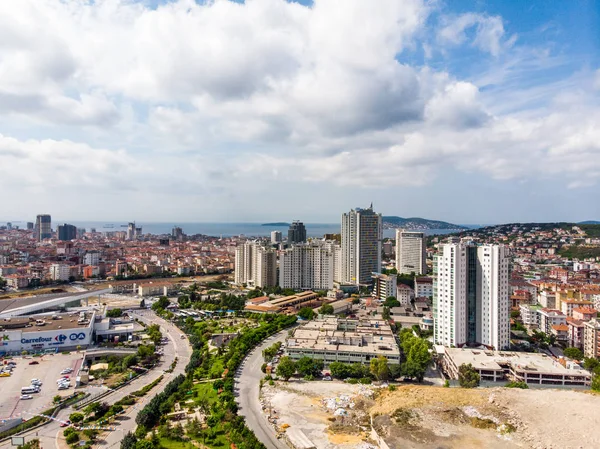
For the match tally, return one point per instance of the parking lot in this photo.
(47, 370)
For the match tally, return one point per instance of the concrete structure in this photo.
(384, 286)
(530, 315)
(286, 303)
(60, 272)
(276, 237)
(33, 304)
(296, 233)
(411, 253)
(91, 258)
(502, 366)
(43, 227)
(307, 266)
(42, 332)
(361, 245)
(591, 339)
(568, 305)
(470, 295)
(343, 340)
(405, 294)
(575, 333)
(547, 299)
(67, 232)
(549, 318)
(157, 289)
(255, 265)
(424, 287)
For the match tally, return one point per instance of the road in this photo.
(50, 435)
(247, 394)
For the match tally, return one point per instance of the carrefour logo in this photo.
(60, 338)
(77, 336)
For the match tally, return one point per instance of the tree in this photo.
(385, 314)
(590, 364)
(286, 368)
(162, 303)
(143, 304)
(309, 367)
(391, 301)
(2, 282)
(339, 370)
(573, 353)
(306, 313)
(114, 313)
(128, 441)
(379, 368)
(468, 377)
(326, 309)
(72, 438)
(56, 399)
(76, 417)
(595, 386)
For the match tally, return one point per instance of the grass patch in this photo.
(480, 423)
(206, 392)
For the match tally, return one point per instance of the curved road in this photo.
(247, 380)
(50, 434)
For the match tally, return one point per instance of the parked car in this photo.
(63, 387)
(5, 374)
(34, 362)
(65, 423)
(26, 396)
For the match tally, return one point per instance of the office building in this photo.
(177, 233)
(411, 255)
(276, 237)
(255, 265)
(308, 266)
(30, 225)
(471, 301)
(361, 245)
(131, 231)
(296, 233)
(67, 232)
(384, 286)
(43, 227)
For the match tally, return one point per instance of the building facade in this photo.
(411, 254)
(276, 237)
(296, 233)
(384, 286)
(43, 227)
(361, 245)
(471, 300)
(67, 232)
(591, 339)
(60, 272)
(307, 266)
(255, 265)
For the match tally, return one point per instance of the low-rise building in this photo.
(575, 333)
(405, 294)
(344, 340)
(568, 305)
(424, 287)
(530, 315)
(549, 318)
(384, 286)
(502, 366)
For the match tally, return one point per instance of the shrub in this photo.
(468, 377)
(72, 438)
(521, 385)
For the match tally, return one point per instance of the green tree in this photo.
(309, 367)
(468, 377)
(161, 304)
(595, 386)
(114, 313)
(2, 282)
(128, 441)
(326, 309)
(590, 364)
(286, 368)
(385, 314)
(72, 438)
(56, 399)
(306, 313)
(573, 353)
(339, 370)
(391, 301)
(76, 417)
(379, 368)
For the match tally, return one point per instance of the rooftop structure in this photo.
(344, 340)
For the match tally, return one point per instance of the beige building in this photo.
(255, 265)
(591, 339)
(411, 255)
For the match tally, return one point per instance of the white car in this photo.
(34, 381)
(63, 387)
(66, 371)
(26, 396)
(62, 379)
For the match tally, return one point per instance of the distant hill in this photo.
(416, 223)
(589, 222)
(276, 224)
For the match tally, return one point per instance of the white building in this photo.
(276, 237)
(255, 265)
(307, 266)
(423, 287)
(411, 255)
(60, 272)
(361, 245)
(405, 294)
(384, 286)
(91, 258)
(530, 315)
(471, 301)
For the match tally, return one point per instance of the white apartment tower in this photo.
(361, 245)
(276, 237)
(411, 254)
(308, 266)
(471, 300)
(255, 265)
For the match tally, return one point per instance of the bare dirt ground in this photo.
(338, 415)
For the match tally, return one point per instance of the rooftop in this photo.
(46, 323)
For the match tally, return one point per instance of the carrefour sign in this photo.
(36, 340)
(57, 340)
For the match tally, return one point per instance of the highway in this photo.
(247, 394)
(50, 435)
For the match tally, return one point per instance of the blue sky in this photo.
(470, 111)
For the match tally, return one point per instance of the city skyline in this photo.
(471, 112)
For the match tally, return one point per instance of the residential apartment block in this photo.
(308, 266)
(255, 265)
(411, 256)
(384, 286)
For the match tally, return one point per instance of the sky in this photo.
(271, 110)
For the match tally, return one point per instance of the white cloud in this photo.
(488, 35)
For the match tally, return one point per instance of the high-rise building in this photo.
(255, 265)
(471, 300)
(411, 254)
(177, 233)
(67, 232)
(131, 231)
(308, 266)
(43, 227)
(361, 245)
(276, 237)
(296, 233)
(384, 286)
(91, 258)
(30, 225)
(591, 338)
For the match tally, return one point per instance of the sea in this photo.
(230, 229)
